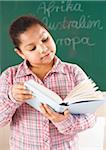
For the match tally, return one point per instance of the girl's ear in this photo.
(19, 52)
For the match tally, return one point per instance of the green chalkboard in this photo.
(78, 27)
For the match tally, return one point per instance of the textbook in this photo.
(83, 98)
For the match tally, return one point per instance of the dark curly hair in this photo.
(20, 25)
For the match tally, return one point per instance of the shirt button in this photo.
(46, 140)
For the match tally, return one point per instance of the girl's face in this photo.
(37, 46)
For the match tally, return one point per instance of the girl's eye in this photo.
(34, 48)
(44, 40)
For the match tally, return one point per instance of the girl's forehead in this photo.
(35, 30)
(38, 29)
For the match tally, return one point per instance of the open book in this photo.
(83, 98)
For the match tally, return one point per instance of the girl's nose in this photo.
(42, 49)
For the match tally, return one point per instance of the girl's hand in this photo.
(52, 115)
(20, 93)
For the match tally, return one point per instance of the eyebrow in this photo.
(31, 44)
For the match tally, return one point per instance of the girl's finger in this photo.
(18, 91)
(19, 86)
(66, 113)
(43, 109)
(50, 111)
(24, 97)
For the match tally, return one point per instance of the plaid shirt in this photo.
(30, 130)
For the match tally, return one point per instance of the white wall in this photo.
(93, 138)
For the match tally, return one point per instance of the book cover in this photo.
(83, 98)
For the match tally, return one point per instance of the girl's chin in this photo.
(48, 58)
(44, 62)
(47, 61)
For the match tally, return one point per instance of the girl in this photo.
(31, 129)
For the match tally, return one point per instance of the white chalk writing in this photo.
(63, 7)
(84, 22)
(72, 17)
(75, 41)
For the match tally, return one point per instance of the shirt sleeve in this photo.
(76, 123)
(7, 106)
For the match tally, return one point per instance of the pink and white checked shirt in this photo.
(30, 130)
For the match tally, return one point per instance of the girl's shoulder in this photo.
(12, 70)
(70, 66)
(66, 65)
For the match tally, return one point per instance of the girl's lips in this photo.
(46, 55)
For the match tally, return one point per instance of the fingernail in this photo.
(30, 92)
(33, 96)
(41, 105)
(25, 88)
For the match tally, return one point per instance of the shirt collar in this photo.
(58, 66)
(23, 69)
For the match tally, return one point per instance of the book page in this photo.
(86, 90)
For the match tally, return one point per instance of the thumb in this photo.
(66, 112)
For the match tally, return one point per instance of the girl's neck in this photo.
(42, 70)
